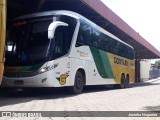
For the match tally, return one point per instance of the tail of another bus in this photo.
(2, 35)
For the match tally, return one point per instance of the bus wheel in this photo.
(127, 82)
(122, 84)
(78, 83)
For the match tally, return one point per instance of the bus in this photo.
(64, 49)
(2, 35)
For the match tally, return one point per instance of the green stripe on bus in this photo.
(31, 68)
(98, 61)
(26, 68)
(102, 63)
(36, 67)
(106, 63)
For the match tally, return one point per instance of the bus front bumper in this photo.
(41, 80)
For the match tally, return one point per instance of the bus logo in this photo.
(120, 61)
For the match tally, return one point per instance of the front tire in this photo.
(78, 83)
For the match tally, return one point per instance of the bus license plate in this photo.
(18, 82)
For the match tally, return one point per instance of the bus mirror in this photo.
(52, 27)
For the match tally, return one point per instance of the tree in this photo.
(157, 63)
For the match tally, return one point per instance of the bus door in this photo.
(62, 61)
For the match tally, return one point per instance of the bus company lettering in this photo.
(120, 61)
(82, 54)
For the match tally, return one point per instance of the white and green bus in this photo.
(63, 48)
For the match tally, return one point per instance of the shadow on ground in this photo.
(143, 84)
(15, 96)
(11, 96)
(152, 108)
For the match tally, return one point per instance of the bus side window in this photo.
(59, 40)
(80, 41)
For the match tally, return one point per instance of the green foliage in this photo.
(157, 63)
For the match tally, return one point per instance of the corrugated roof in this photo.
(144, 50)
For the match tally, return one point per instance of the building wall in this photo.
(145, 66)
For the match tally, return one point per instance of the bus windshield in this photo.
(28, 42)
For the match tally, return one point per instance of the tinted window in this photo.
(91, 36)
(28, 43)
(37, 41)
(63, 37)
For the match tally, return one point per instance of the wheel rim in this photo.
(79, 83)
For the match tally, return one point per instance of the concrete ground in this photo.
(138, 97)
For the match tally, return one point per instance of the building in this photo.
(154, 71)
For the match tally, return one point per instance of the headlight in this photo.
(42, 70)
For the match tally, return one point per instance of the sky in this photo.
(142, 15)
